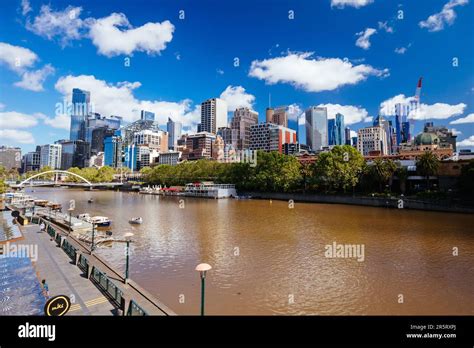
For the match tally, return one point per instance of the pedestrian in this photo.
(45, 288)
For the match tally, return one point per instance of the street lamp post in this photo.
(128, 237)
(70, 210)
(93, 231)
(202, 268)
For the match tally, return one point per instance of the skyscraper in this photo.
(401, 113)
(347, 136)
(316, 127)
(240, 125)
(80, 110)
(213, 115)
(174, 132)
(113, 150)
(280, 116)
(331, 131)
(50, 155)
(95, 120)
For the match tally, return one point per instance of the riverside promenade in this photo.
(63, 278)
(71, 269)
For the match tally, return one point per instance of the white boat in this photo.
(136, 220)
(101, 221)
(85, 217)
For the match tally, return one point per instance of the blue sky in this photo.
(350, 55)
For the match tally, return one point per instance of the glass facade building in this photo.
(316, 127)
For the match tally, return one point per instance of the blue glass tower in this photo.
(80, 110)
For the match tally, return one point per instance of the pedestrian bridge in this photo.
(32, 181)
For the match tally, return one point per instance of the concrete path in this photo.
(64, 278)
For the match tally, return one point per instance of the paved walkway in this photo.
(64, 278)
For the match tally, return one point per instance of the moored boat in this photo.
(101, 221)
(136, 220)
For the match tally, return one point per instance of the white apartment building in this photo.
(157, 140)
(50, 155)
(372, 140)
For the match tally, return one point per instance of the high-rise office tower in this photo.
(213, 115)
(80, 110)
(316, 127)
(174, 132)
(331, 131)
(347, 136)
(113, 147)
(240, 125)
(401, 113)
(95, 120)
(50, 155)
(280, 116)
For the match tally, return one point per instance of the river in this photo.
(269, 257)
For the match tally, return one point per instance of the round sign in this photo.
(57, 306)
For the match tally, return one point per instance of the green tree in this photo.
(402, 175)
(382, 170)
(428, 165)
(466, 180)
(339, 169)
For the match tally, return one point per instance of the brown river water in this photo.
(269, 259)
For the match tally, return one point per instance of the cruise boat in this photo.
(101, 221)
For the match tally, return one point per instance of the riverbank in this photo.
(381, 202)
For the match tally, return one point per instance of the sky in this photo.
(356, 57)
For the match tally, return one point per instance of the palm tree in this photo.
(428, 165)
(402, 174)
(382, 170)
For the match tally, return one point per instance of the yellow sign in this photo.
(57, 306)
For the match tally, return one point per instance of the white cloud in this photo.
(118, 99)
(363, 40)
(65, 25)
(401, 50)
(446, 16)
(312, 75)
(17, 58)
(353, 133)
(352, 114)
(468, 119)
(62, 121)
(2, 106)
(385, 26)
(25, 7)
(438, 111)
(33, 80)
(353, 3)
(294, 111)
(468, 142)
(455, 131)
(237, 97)
(113, 35)
(18, 136)
(425, 111)
(13, 119)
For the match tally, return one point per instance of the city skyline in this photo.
(174, 72)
